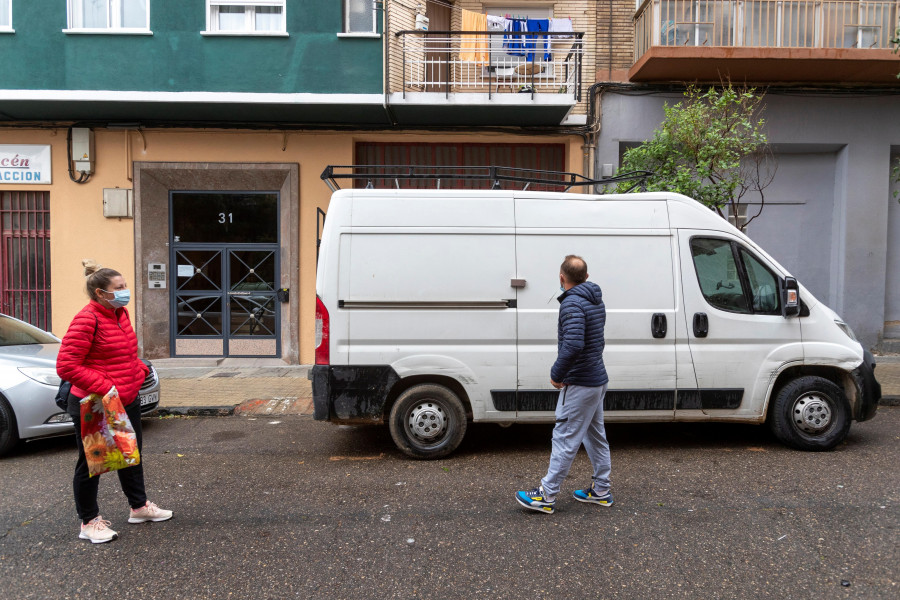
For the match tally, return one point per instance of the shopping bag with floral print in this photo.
(107, 434)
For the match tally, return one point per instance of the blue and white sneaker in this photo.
(536, 500)
(589, 495)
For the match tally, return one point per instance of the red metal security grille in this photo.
(545, 157)
(25, 257)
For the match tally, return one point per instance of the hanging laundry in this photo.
(496, 23)
(537, 42)
(513, 41)
(473, 48)
(559, 26)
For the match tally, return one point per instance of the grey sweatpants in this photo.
(579, 420)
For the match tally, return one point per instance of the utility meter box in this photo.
(118, 202)
(422, 22)
(83, 149)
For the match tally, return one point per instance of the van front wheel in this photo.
(810, 413)
(427, 421)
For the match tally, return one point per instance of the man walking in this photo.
(580, 376)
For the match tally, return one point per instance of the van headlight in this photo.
(43, 375)
(846, 329)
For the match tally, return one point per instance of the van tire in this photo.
(414, 415)
(810, 413)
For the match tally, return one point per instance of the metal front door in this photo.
(223, 297)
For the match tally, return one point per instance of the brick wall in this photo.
(615, 39)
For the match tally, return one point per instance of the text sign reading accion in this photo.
(25, 164)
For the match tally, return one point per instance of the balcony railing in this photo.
(491, 62)
(765, 23)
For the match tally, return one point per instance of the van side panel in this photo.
(430, 290)
(628, 248)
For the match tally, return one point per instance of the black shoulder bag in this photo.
(62, 394)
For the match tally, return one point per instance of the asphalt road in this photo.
(294, 508)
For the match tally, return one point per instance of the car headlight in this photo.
(846, 329)
(43, 375)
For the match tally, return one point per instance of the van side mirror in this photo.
(790, 297)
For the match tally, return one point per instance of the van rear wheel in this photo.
(810, 413)
(427, 421)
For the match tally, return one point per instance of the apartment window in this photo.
(246, 17)
(359, 16)
(109, 15)
(5, 15)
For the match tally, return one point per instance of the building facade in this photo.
(181, 143)
(831, 216)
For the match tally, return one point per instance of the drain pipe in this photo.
(385, 64)
(591, 133)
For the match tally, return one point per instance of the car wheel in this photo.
(9, 433)
(427, 421)
(810, 413)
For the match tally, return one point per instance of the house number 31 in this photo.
(225, 218)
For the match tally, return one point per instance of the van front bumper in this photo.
(345, 394)
(867, 388)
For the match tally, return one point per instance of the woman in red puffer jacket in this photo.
(98, 355)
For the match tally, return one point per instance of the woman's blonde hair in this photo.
(97, 276)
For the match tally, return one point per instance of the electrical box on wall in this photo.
(156, 275)
(118, 202)
(83, 149)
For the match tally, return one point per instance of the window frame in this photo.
(736, 254)
(113, 14)
(347, 32)
(8, 28)
(212, 14)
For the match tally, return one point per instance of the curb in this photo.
(196, 411)
(889, 401)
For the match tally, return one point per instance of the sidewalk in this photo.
(189, 387)
(259, 388)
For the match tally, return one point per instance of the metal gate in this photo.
(25, 257)
(226, 274)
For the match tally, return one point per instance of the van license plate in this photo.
(150, 399)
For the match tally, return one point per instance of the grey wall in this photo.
(829, 210)
(892, 289)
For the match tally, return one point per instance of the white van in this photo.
(439, 307)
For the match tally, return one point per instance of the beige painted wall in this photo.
(79, 230)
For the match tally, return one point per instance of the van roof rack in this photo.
(451, 176)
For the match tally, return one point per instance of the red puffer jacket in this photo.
(96, 361)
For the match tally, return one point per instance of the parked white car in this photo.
(436, 307)
(28, 384)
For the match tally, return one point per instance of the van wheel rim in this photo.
(427, 421)
(811, 413)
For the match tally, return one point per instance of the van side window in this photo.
(718, 274)
(763, 285)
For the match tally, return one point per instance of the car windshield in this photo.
(17, 333)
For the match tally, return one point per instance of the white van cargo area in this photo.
(439, 307)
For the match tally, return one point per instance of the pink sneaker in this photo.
(97, 531)
(149, 512)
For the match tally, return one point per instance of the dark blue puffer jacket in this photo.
(582, 317)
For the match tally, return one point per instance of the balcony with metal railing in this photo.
(767, 41)
(485, 76)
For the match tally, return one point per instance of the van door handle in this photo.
(517, 283)
(658, 325)
(701, 325)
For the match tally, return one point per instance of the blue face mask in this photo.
(120, 298)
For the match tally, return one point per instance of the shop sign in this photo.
(24, 164)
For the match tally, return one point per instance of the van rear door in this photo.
(629, 251)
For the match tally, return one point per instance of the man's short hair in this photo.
(575, 269)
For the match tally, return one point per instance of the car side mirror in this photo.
(790, 297)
